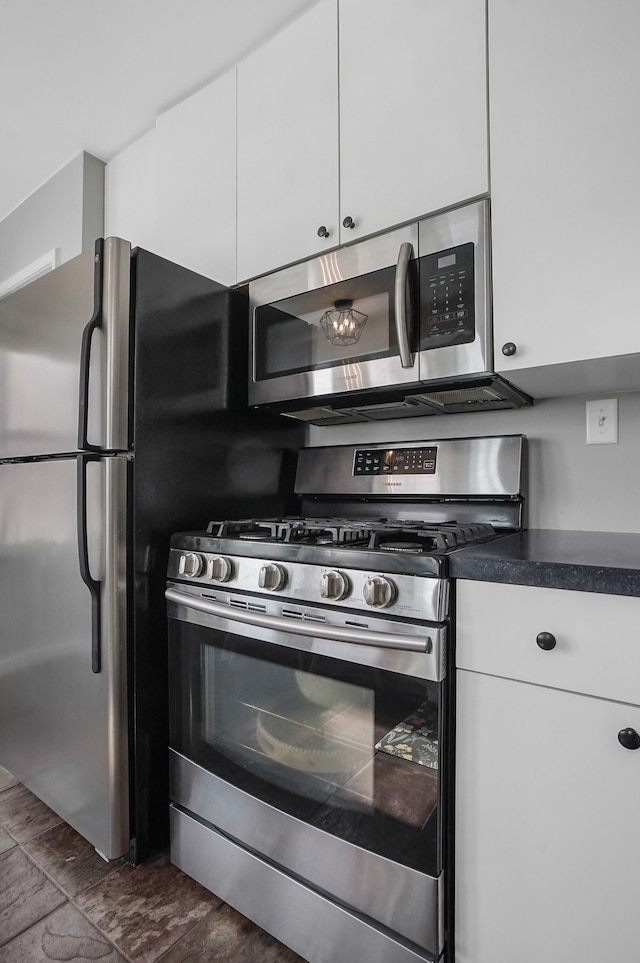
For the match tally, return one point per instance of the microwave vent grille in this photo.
(461, 396)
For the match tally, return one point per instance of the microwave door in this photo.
(455, 335)
(355, 330)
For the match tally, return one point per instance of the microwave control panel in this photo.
(447, 297)
(400, 461)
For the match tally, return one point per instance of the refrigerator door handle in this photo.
(85, 354)
(83, 558)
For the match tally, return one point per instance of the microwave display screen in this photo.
(343, 323)
(447, 303)
(445, 262)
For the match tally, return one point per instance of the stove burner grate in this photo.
(376, 534)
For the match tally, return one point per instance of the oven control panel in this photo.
(408, 596)
(398, 461)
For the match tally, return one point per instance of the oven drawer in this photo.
(306, 920)
(593, 640)
(416, 909)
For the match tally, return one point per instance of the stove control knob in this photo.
(334, 585)
(190, 564)
(272, 577)
(379, 592)
(219, 569)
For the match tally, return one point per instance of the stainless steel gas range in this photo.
(312, 695)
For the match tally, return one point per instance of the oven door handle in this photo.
(383, 640)
(400, 304)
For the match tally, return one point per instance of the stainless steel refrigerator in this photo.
(122, 420)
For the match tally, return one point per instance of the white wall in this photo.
(572, 485)
(66, 213)
(130, 194)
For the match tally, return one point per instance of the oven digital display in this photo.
(399, 461)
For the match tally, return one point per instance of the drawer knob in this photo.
(509, 349)
(546, 641)
(322, 231)
(629, 738)
(349, 223)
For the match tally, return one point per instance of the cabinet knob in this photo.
(546, 641)
(349, 222)
(322, 231)
(629, 738)
(509, 349)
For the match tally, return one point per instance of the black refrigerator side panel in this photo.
(198, 454)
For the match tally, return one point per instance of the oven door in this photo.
(344, 322)
(320, 754)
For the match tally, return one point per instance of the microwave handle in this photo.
(400, 303)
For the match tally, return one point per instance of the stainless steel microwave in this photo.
(395, 326)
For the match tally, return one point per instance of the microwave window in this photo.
(342, 323)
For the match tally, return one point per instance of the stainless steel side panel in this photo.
(63, 729)
(472, 467)
(41, 329)
(294, 912)
(469, 223)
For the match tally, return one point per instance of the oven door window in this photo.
(348, 322)
(350, 749)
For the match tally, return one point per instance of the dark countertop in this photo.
(607, 562)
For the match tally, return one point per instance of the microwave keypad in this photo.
(401, 461)
(447, 297)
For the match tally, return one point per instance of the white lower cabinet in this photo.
(547, 799)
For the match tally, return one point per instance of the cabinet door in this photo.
(288, 145)
(196, 181)
(547, 829)
(565, 154)
(413, 110)
(592, 636)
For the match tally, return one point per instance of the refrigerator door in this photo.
(63, 727)
(41, 329)
(64, 357)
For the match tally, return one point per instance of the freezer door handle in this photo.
(83, 557)
(85, 354)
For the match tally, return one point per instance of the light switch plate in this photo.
(602, 422)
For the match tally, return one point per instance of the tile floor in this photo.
(60, 901)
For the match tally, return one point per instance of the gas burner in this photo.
(401, 547)
(428, 537)
(298, 531)
(325, 531)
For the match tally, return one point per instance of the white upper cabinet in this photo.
(370, 111)
(196, 181)
(288, 145)
(564, 81)
(413, 109)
